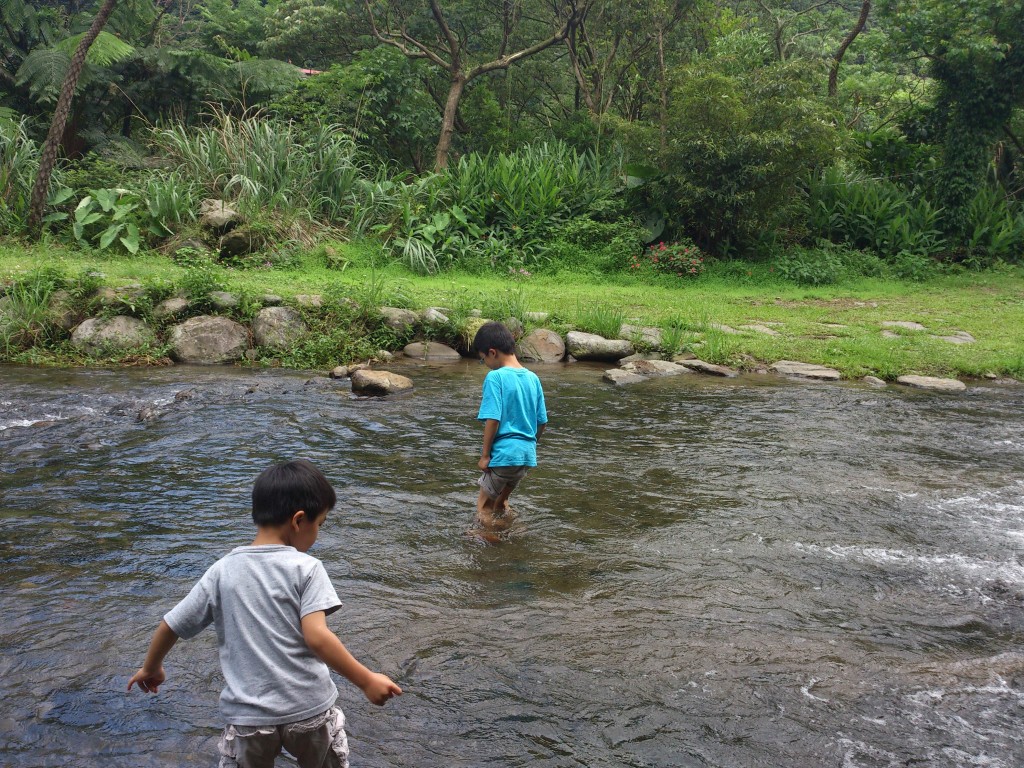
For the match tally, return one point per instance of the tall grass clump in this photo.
(25, 315)
(600, 319)
(19, 163)
(265, 164)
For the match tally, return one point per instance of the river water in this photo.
(754, 572)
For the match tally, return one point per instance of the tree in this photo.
(976, 54)
(48, 156)
(837, 57)
(449, 47)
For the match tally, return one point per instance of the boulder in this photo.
(619, 376)
(399, 319)
(223, 299)
(278, 327)
(208, 340)
(431, 350)
(932, 382)
(367, 382)
(170, 307)
(112, 333)
(644, 334)
(218, 215)
(654, 368)
(61, 310)
(434, 316)
(311, 300)
(541, 346)
(589, 346)
(709, 368)
(805, 370)
(241, 241)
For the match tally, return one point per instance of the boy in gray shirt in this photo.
(269, 602)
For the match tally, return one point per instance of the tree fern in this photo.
(43, 72)
(105, 50)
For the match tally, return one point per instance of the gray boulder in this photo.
(654, 368)
(541, 346)
(170, 307)
(367, 382)
(589, 346)
(208, 340)
(619, 376)
(218, 215)
(399, 319)
(112, 333)
(431, 350)
(278, 327)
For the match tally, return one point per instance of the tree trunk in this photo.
(48, 157)
(837, 57)
(663, 112)
(451, 109)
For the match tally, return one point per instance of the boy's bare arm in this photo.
(540, 430)
(151, 675)
(490, 430)
(331, 651)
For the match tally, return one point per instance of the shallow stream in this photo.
(753, 572)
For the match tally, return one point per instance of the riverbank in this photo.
(964, 325)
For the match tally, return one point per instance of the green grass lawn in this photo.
(839, 325)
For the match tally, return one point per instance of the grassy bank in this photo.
(839, 325)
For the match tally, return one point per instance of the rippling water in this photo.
(706, 573)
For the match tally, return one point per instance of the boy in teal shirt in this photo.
(514, 417)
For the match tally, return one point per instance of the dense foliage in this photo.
(516, 137)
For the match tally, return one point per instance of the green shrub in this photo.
(587, 246)
(681, 259)
(809, 266)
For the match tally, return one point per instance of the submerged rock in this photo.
(654, 368)
(709, 368)
(620, 376)
(431, 350)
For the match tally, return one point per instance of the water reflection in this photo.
(707, 573)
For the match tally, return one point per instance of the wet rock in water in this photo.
(339, 372)
(805, 370)
(709, 368)
(208, 340)
(874, 381)
(120, 334)
(541, 346)
(654, 368)
(278, 327)
(619, 376)
(932, 382)
(383, 356)
(367, 382)
(431, 350)
(589, 346)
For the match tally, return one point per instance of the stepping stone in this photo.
(654, 368)
(890, 335)
(805, 370)
(932, 382)
(620, 376)
(431, 350)
(761, 329)
(960, 337)
(723, 328)
(709, 368)
(367, 382)
(902, 324)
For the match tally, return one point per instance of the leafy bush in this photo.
(589, 246)
(682, 259)
(994, 229)
(101, 220)
(807, 266)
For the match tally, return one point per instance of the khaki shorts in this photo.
(317, 742)
(496, 479)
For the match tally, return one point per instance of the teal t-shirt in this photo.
(514, 398)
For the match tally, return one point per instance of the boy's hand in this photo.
(149, 681)
(484, 463)
(379, 688)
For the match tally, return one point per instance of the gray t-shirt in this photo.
(256, 597)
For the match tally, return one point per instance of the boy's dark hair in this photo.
(494, 335)
(283, 489)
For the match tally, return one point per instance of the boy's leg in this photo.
(247, 747)
(319, 742)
